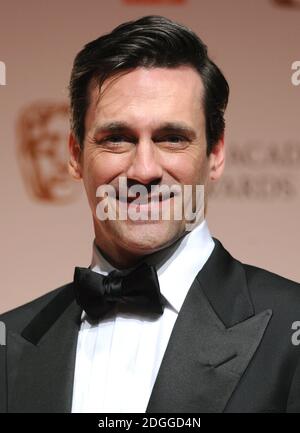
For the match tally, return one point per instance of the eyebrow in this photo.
(170, 127)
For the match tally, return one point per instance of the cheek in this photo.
(188, 169)
(102, 168)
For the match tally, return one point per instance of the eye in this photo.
(115, 139)
(118, 140)
(175, 138)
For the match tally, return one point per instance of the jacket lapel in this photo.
(41, 360)
(213, 340)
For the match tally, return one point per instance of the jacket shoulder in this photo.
(17, 318)
(268, 287)
(256, 274)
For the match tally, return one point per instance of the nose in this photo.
(145, 167)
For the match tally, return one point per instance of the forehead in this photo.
(148, 95)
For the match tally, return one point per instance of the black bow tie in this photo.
(97, 294)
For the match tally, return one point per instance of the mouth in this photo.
(145, 200)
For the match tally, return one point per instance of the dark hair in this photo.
(151, 41)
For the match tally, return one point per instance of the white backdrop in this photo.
(255, 210)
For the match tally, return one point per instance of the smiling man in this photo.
(147, 127)
(164, 319)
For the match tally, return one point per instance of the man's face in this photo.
(149, 127)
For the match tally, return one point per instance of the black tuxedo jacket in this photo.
(230, 349)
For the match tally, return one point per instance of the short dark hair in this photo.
(150, 41)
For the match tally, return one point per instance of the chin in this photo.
(148, 237)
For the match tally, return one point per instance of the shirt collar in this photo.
(176, 265)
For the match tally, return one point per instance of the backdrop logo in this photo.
(43, 129)
(295, 78)
(2, 74)
(154, 2)
(261, 170)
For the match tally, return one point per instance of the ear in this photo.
(74, 164)
(217, 160)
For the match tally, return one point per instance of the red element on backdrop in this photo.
(288, 3)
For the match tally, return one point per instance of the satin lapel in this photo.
(213, 340)
(41, 360)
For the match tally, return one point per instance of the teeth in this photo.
(144, 200)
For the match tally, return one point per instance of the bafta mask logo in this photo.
(42, 130)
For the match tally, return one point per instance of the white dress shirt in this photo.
(118, 359)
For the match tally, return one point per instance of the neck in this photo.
(122, 259)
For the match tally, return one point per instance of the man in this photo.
(165, 320)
